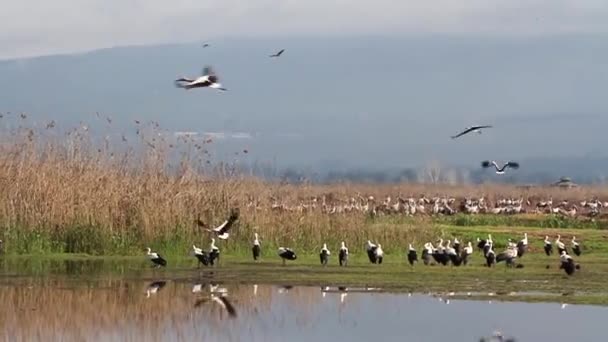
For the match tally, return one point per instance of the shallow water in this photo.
(66, 306)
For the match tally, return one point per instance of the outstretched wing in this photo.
(468, 130)
(482, 126)
(513, 165)
(224, 227)
(485, 164)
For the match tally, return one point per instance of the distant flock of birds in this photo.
(422, 205)
(444, 253)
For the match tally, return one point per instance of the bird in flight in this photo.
(278, 53)
(208, 79)
(500, 170)
(222, 230)
(206, 45)
(477, 129)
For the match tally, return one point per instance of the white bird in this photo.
(500, 169)
(466, 253)
(343, 255)
(475, 129)
(208, 79)
(561, 247)
(576, 248)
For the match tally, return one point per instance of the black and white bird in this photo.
(456, 246)
(522, 246)
(440, 254)
(476, 129)
(156, 258)
(485, 244)
(379, 254)
(324, 255)
(561, 247)
(490, 258)
(567, 263)
(508, 256)
(214, 253)
(371, 252)
(154, 287)
(412, 255)
(500, 169)
(343, 255)
(548, 246)
(209, 79)
(278, 54)
(223, 301)
(467, 251)
(222, 230)
(576, 248)
(256, 249)
(427, 253)
(455, 258)
(201, 256)
(287, 254)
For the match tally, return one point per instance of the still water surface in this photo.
(55, 307)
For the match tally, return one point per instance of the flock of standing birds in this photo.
(444, 253)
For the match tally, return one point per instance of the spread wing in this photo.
(480, 127)
(468, 130)
(224, 227)
(485, 164)
(513, 165)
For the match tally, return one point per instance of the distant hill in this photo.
(368, 103)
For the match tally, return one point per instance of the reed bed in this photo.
(87, 189)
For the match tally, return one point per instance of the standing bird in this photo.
(490, 258)
(412, 256)
(156, 259)
(343, 255)
(371, 252)
(508, 256)
(222, 230)
(466, 253)
(567, 263)
(452, 255)
(277, 54)
(427, 253)
(201, 256)
(477, 129)
(214, 253)
(522, 246)
(561, 247)
(208, 80)
(286, 254)
(576, 248)
(548, 246)
(456, 245)
(256, 250)
(379, 254)
(324, 255)
(488, 245)
(500, 169)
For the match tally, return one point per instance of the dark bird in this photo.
(343, 255)
(277, 54)
(222, 230)
(256, 250)
(490, 258)
(500, 170)
(205, 45)
(201, 256)
(548, 246)
(208, 79)
(567, 263)
(412, 255)
(156, 259)
(214, 253)
(576, 248)
(371, 252)
(522, 246)
(1, 247)
(476, 129)
(324, 255)
(287, 254)
(456, 246)
(154, 287)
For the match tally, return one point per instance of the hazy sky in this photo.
(39, 27)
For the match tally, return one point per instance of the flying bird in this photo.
(477, 129)
(222, 230)
(277, 54)
(205, 45)
(208, 79)
(500, 170)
